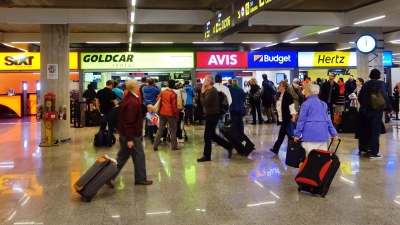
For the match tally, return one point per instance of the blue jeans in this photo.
(237, 118)
(375, 120)
(104, 121)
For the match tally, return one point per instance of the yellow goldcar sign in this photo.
(29, 61)
(327, 59)
(134, 60)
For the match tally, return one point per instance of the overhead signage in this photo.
(339, 71)
(272, 59)
(134, 60)
(327, 59)
(218, 24)
(221, 59)
(387, 58)
(244, 74)
(183, 76)
(29, 61)
(244, 9)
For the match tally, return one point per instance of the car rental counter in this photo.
(12, 102)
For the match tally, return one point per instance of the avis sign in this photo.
(221, 60)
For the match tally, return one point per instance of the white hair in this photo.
(296, 80)
(313, 88)
(130, 84)
(210, 78)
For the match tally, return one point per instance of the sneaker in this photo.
(377, 156)
(181, 141)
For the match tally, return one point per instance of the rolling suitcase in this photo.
(238, 139)
(349, 121)
(95, 177)
(96, 141)
(295, 154)
(318, 170)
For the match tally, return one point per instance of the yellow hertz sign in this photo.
(29, 61)
(327, 59)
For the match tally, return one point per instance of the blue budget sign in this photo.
(387, 58)
(272, 59)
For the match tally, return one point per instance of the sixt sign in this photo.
(272, 59)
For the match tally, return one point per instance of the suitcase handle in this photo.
(339, 141)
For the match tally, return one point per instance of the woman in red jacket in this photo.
(168, 113)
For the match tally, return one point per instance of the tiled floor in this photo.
(36, 183)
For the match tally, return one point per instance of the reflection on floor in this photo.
(36, 184)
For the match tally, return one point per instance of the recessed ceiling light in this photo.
(303, 42)
(103, 42)
(25, 42)
(396, 54)
(328, 30)
(204, 42)
(132, 17)
(271, 45)
(369, 20)
(352, 42)
(340, 49)
(156, 42)
(293, 39)
(251, 42)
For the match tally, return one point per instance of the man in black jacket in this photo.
(349, 88)
(330, 94)
(268, 98)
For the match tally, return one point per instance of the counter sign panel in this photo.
(244, 9)
(218, 24)
(272, 59)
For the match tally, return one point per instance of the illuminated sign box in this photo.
(12, 61)
(133, 60)
(244, 9)
(221, 59)
(327, 59)
(219, 23)
(285, 59)
(387, 58)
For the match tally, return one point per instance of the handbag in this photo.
(295, 154)
(157, 106)
(181, 105)
(376, 100)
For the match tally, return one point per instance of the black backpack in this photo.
(223, 103)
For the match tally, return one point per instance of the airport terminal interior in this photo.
(53, 51)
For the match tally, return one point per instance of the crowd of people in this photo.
(304, 112)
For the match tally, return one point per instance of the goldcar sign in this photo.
(134, 60)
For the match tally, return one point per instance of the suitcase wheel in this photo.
(87, 199)
(299, 189)
(323, 194)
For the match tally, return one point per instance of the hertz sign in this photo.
(29, 61)
(327, 59)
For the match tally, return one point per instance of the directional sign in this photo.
(244, 9)
(219, 23)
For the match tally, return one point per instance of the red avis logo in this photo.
(220, 60)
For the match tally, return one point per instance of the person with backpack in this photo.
(225, 100)
(296, 92)
(374, 99)
(211, 106)
(237, 106)
(255, 101)
(118, 92)
(268, 98)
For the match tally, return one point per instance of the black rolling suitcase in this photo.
(349, 121)
(96, 141)
(97, 175)
(238, 139)
(318, 170)
(295, 154)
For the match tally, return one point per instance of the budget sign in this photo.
(272, 59)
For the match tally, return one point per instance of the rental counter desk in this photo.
(12, 102)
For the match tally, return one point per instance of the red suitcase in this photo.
(318, 170)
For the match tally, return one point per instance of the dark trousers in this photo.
(237, 118)
(256, 106)
(104, 121)
(210, 135)
(200, 112)
(152, 130)
(178, 126)
(283, 130)
(189, 113)
(331, 110)
(137, 154)
(375, 120)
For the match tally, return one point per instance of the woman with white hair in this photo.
(314, 124)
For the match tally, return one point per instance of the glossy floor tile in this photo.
(36, 184)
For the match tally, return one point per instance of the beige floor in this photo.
(36, 184)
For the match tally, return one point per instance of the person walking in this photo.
(181, 95)
(286, 115)
(374, 117)
(225, 90)
(190, 94)
(168, 113)
(314, 124)
(330, 94)
(105, 102)
(255, 101)
(296, 92)
(268, 98)
(237, 106)
(210, 101)
(130, 135)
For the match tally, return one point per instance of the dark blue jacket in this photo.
(364, 95)
(238, 98)
(150, 94)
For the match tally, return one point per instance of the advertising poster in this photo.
(52, 71)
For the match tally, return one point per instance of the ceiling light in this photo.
(131, 29)
(395, 42)
(328, 30)
(133, 2)
(25, 42)
(303, 42)
(204, 42)
(132, 17)
(369, 20)
(271, 45)
(396, 54)
(103, 42)
(254, 49)
(352, 42)
(293, 39)
(340, 49)
(249, 42)
(130, 39)
(156, 42)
